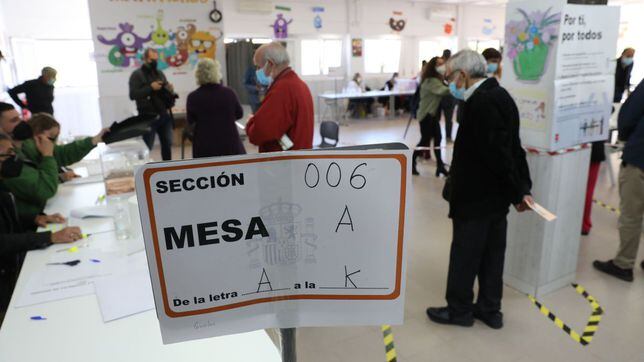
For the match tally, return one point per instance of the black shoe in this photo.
(609, 267)
(414, 172)
(493, 320)
(585, 233)
(441, 170)
(441, 315)
(642, 265)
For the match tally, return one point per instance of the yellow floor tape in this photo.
(388, 338)
(606, 206)
(593, 321)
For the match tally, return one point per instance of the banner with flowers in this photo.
(553, 49)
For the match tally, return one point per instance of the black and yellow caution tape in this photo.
(388, 338)
(593, 321)
(606, 206)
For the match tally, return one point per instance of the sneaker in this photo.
(610, 268)
(442, 316)
(493, 320)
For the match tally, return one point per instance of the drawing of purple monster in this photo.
(126, 46)
(280, 27)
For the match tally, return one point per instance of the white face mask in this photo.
(441, 69)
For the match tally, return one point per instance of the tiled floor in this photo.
(527, 335)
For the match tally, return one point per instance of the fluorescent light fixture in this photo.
(229, 40)
(261, 40)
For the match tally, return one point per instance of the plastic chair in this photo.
(329, 130)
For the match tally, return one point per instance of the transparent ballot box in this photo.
(118, 162)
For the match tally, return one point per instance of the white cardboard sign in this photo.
(313, 238)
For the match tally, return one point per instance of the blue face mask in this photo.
(51, 81)
(458, 93)
(262, 78)
(492, 67)
(627, 61)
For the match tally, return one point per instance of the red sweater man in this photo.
(287, 108)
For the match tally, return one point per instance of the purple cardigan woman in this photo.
(213, 110)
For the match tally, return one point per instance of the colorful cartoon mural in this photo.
(126, 46)
(280, 27)
(528, 42)
(186, 45)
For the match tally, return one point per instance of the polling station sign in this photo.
(311, 238)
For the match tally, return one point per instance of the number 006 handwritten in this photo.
(333, 176)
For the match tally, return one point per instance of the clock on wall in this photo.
(215, 15)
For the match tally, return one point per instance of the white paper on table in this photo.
(55, 282)
(542, 211)
(124, 295)
(93, 211)
(37, 292)
(84, 180)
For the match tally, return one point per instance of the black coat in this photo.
(489, 169)
(630, 124)
(148, 101)
(622, 80)
(213, 110)
(39, 95)
(14, 242)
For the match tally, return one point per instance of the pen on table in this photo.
(100, 199)
(38, 318)
(68, 263)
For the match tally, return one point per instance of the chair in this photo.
(187, 134)
(329, 130)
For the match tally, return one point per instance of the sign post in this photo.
(310, 238)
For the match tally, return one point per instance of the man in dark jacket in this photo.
(623, 71)
(630, 124)
(489, 173)
(152, 93)
(39, 92)
(15, 237)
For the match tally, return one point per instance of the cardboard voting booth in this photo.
(559, 65)
(292, 239)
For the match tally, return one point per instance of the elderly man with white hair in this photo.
(39, 92)
(489, 173)
(213, 109)
(285, 118)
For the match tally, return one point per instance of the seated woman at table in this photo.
(14, 237)
(213, 109)
(39, 179)
(358, 106)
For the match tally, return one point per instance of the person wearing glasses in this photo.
(16, 236)
(39, 178)
(489, 173)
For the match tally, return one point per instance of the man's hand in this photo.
(44, 145)
(67, 235)
(156, 85)
(43, 220)
(525, 205)
(68, 175)
(99, 137)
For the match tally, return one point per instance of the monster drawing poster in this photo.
(180, 31)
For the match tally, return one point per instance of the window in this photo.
(427, 49)
(481, 45)
(381, 55)
(319, 55)
(73, 59)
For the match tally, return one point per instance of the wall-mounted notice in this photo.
(275, 240)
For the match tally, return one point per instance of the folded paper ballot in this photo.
(542, 211)
(93, 211)
(129, 128)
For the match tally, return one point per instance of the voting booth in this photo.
(559, 64)
(282, 240)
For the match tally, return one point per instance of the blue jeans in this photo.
(163, 127)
